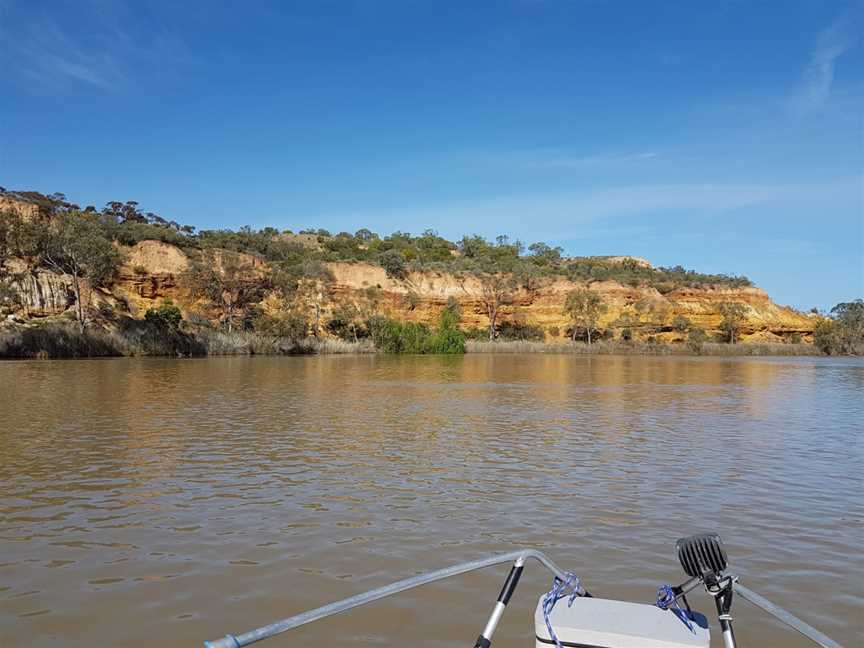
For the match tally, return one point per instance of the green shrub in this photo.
(391, 336)
(447, 338)
(394, 264)
(475, 333)
(513, 331)
(166, 315)
(696, 338)
(344, 324)
(681, 324)
(292, 325)
(824, 336)
(400, 337)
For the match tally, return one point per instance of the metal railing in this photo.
(278, 627)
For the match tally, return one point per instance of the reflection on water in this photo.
(175, 501)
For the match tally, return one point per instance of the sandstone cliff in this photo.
(153, 271)
(644, 310)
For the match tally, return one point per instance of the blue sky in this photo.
(723, 136)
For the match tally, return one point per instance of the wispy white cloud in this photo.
(562, 214)
(548, 159)
(46, 52)
(818, 76)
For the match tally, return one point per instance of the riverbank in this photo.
(605, 347)
(56, 340)
(60, 339)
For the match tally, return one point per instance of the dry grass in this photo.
(249, 343)
(60, 338)
(336, 346)
(759, 349)
(606, 347)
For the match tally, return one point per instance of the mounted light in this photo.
(702, 555)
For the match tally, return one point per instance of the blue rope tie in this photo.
(666, 600)
(559, 591)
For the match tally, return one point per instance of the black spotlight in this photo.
(702, 555)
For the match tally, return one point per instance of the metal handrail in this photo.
(782, 615)
(278, 627)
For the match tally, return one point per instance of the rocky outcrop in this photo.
(40, 293)
(151, 272)
(27, 205)
(44, 293)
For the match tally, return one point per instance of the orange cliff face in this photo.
(153, 271)
(644, 310)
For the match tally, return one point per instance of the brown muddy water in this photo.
(163, 502)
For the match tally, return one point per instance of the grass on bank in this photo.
(63, 339)
(609, 347)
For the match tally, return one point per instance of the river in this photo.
(163, 502)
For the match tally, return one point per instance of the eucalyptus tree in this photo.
(584, 308)
(73, 243)
(733, 317)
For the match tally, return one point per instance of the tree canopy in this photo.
(399, 253)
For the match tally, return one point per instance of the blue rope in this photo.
(559, 591)
(666, 600)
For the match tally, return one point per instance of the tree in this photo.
(365, 236)
(850, 317)
(313, 291)
(224, 282)
(584, 308)
(696, 337)
(21, 237)
(527, 276)
(344, 321)
(393, 262)
(496, 290)
(843, 332)
(824, 335)
(5, 243)
(74, 244)
(412, 300)
(302, 286)
(545, 255)
(733, 316)
(9, 297)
